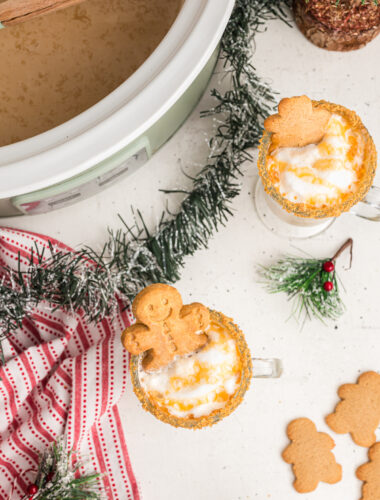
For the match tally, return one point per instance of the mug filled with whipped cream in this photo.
(316, 162)
(190, 366)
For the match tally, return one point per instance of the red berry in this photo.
(50, 476)
(328, 266)
(328, 286)
(32, 489)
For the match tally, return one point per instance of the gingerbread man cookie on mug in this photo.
(165, 328)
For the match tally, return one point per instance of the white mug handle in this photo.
(369, 207)
(266, 368)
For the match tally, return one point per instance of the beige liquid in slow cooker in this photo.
(56, 66)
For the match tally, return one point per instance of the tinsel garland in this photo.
(132, 257)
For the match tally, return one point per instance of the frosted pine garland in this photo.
(132, 258)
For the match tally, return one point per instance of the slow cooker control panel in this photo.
(80, 187)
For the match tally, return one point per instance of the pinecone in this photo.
(348, 25)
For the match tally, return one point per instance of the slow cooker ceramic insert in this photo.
(89, 93)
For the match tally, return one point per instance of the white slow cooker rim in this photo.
(124, 115)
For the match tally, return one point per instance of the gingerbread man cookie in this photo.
(311, 456)
(165, 328)
(370, 474)
(298, 123)
(359, 411)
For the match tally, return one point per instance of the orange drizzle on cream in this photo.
(197, 385)
(320, 174)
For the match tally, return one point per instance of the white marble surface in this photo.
(239, 458)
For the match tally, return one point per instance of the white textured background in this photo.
(240, 457)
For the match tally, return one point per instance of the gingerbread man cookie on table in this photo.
(369, 473)
(358, 412)
(311, 456)
(165, 328)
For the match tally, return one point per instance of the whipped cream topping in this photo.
(320, 174)
(198, 384)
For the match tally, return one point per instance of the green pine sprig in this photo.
(337, 2)
(303, 282)
(362, 2)
(134, 257)
(56, 477)
(376, 2)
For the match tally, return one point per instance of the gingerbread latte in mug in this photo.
(317, 161)
(190, 366)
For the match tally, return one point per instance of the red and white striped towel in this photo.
(61, 376)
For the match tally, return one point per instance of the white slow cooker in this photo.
(122, 131)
